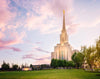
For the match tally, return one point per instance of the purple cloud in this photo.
(4, 45)
(13, 39)
(32, 56)
(41, 50)
(38, 42)
(38, 60)
(12, 48)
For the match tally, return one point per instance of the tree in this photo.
(31, 66)
(22, 66)
(73, 56)
(54, 63)
(98, 48)
(61, 63)
(65, 63)
(78, 59)
(15, 67)
(97, 55)
(71, 64)
(90, 56)
(5, 66)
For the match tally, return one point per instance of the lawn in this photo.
(50, 74)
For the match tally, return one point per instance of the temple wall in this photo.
(62, 52)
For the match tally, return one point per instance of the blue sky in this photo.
(29, 29)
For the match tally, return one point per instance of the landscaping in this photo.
(50, 74)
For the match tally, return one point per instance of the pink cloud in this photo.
(5, 17)
(59, 5)
(14, 38)
(50, 15)
(46, 61)
(41, 23)
(30, 4)
(72, 29)
(54, 10)
(17, 36)
(67, 5)
(43, 60)
(32, 56)
(4, 45)
(41, 50)
(12, 48)
(38, 60)
(95, 22)
(5, 14)
(38, 42)
(2, 35)
(29, 56)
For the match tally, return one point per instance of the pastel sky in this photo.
(29, 29)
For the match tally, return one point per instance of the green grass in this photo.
(50, 74)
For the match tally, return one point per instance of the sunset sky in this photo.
(29, 29)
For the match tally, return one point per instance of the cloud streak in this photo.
(32, 56)
(12, 48)
(38, 60)
(41, 50)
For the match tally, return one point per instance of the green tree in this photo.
(98, 48)
(54, 63)
(97, 54)
(5, 66)
(78, 59)
(15, 67)
(60, 63)
(64, 63)
(31, 66)
(90, 57)
(71, 63)
(73, 56)
(67, 64)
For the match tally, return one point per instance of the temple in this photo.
(63, 51)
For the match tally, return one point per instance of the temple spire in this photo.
(64, 20)
(63, 36)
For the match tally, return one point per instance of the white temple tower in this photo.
(62, 51)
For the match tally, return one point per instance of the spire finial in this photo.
(63, 11)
